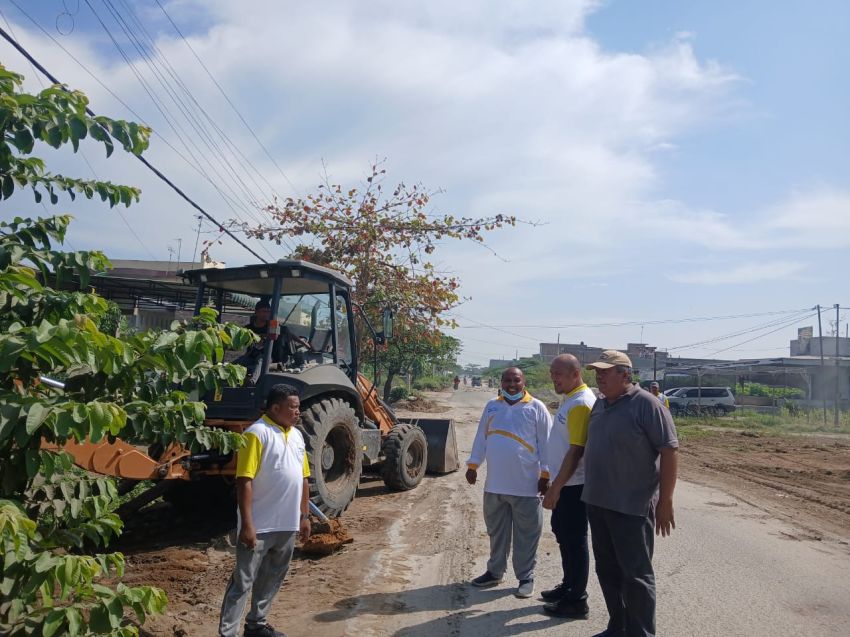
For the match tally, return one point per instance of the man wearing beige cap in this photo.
(630, 474)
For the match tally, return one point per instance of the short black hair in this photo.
(263, 303)
(279, 393)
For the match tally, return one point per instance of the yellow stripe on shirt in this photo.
(512, 436)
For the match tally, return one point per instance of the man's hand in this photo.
(550, 501)
(471, 476)
(542, 486)
(304, 529)
(664, 522)
(248, 536)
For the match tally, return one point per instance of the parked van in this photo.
(719, 400)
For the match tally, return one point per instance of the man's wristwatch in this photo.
(305, 516)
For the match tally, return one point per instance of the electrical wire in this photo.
(150, 166)
(648, 322)
(226, 97)
(755, 338)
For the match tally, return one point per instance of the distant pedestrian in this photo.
(512, 439)
(567, 441)
(630, 475)
(655, 390)
(272, 492)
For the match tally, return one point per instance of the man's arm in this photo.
(544, 430)
(304, 528)
(664, 520)
(568, 468)
(244, 497)
(479, 448)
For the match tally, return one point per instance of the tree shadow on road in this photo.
(458, 599)
(428, 598)
(474, 622)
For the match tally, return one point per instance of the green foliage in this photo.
(398, 393)
(432, 383)
(52, 515)
(56, 117)
(770, 391)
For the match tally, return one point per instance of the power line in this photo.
(749, 330)
(755, 338)
(226, 97)
(184, 109)
(632, 323)
(154, 170)
(118, 99)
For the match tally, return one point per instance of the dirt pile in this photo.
(326, 538)
(420, 404)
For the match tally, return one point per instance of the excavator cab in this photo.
(310, 342)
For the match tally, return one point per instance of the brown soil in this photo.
(420, 404)
(326, 537)
(803, 479)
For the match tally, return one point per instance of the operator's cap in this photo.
(610, 358)
(654, 384)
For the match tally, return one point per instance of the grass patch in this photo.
(773, 423)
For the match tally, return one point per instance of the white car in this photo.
(717, 400)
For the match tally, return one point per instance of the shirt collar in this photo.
(576, 390)
(631, 390)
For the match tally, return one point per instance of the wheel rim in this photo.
(338, 456)
(413, 458)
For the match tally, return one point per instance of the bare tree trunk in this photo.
(388, 384)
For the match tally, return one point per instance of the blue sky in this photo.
(685, 159)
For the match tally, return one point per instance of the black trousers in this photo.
(569, 524)
(623, 546)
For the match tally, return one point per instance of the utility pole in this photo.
(837, 367)
(654, 365)
(179, 247)
(822, 366)
(170, 254)
(197, 237)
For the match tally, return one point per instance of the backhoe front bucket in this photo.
(442, 444)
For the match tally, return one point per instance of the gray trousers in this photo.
(517, 517)
(260, 572)
(623, 546)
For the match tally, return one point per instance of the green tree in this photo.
(53, 517)
(416, 350)
(383, 240)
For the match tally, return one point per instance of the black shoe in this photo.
(554, 594)
(263, 630)
(486, 581)
(568, 609)
(610, 632)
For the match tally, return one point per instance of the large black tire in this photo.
(332, 433)
(405, 451)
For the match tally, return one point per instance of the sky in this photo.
(669, 160)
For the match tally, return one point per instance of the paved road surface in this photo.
(729, 569)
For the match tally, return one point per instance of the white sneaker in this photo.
(525, 589)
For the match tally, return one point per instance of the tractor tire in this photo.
(405, 451)
(332, 433)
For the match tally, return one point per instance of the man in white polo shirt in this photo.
(569, 517)
(271, 490)
(511, 438)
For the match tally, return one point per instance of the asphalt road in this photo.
(728, 569)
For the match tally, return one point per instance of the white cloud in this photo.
(744, 273)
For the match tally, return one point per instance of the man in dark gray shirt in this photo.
(630, 474)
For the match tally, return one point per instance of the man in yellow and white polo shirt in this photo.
(569, 517)
(655, 390)
(271, 491)
(511, 438)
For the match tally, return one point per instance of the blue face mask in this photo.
(511, 397)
